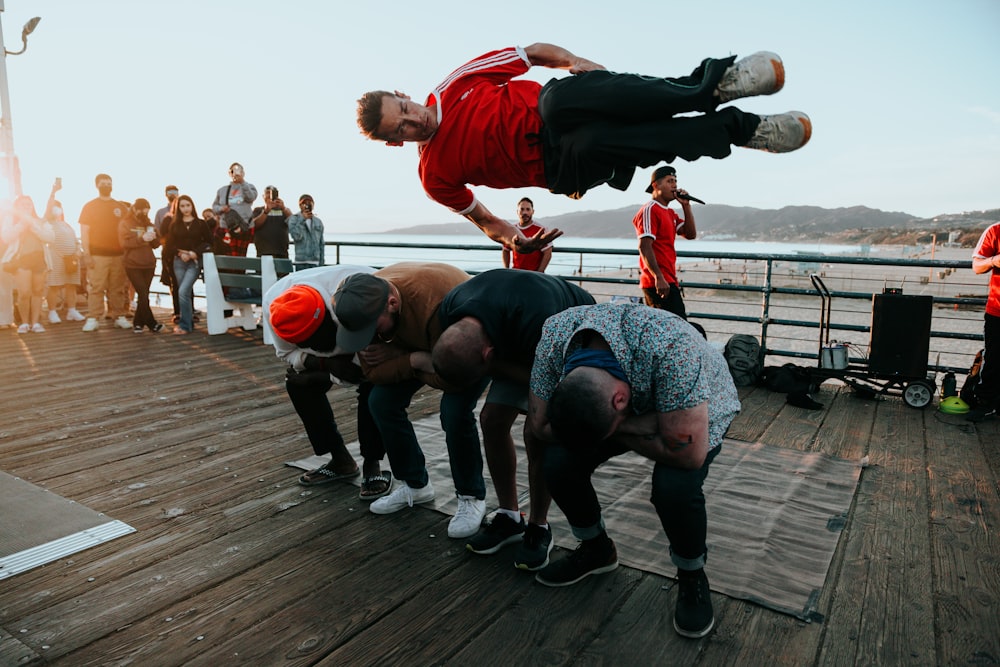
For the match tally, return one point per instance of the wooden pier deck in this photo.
(233, 563)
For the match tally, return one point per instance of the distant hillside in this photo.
(856, 224)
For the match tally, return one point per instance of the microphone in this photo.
(691, 198)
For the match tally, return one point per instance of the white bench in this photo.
(265, 271)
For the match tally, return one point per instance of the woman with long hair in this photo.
(27, 237)
(186, 238)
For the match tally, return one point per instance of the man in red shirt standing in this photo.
(986, 258)
(657, 225)
(481, 126)
(529, 261)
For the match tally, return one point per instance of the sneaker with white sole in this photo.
(54, 317)
(37, 328)
(500, 531)
(693, 615)
(595, 556)
(74, 315)
(468, 517)
(760, 73)
(91, 324)
(781, 133)
(24, 328)
(123, 323)
(403, 496)
(533, 553)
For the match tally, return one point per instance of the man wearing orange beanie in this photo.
(298, 309)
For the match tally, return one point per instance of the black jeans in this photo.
(599, 126)
(141, 279)
(313, 408)
(677, 496)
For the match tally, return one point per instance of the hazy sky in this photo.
(904, 97)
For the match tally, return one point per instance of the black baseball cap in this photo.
(665, 170)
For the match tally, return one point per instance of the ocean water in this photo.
(479, 253)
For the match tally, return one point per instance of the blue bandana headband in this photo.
(602, 359)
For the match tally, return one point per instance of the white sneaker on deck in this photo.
(37, 328)
(760, 73)
(403, 496)
(468, 517)
(91, 324)
(74, 315)
(54, 316)
(123, 323)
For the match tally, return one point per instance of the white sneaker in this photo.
(468, 517)
(23, 329)
(781, 133)
(54, 317)
(123, 323)
(760, 73)
(91, 324)
(74, 315)
(403, 496)
(37, 328)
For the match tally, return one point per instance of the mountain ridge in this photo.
(853, 224)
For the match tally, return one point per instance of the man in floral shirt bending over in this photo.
(617, 377)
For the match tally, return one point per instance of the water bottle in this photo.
(949, 387)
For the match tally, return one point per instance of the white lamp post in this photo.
(10, 168)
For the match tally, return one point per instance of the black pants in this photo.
(313, 408)
(677, 496)
(599, 126)
(673, 302)
(141, 279)
(988, 389)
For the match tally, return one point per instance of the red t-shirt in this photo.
(488, 131)
(988, 246)
(661, 223)
(529, 261)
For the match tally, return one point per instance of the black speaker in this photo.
(900, 335)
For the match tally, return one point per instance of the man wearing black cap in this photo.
(306, 230)
(270, 223)
(656, 225)
(391, 319)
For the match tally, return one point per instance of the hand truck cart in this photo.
(899, 343)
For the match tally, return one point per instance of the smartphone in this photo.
(58, 181)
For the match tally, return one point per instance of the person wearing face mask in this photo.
(63, 279)
(103, 257)
(138, 237)
(238, 195)
(306, 230)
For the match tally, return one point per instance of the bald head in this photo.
(462, 354)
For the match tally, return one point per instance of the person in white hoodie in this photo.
(298, 310)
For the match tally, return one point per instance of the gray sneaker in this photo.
(781, 133)
(761, 73)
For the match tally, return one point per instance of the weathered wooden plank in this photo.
(886, 575)
(965, 558)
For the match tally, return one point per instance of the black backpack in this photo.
(742, 353)
(968, 392)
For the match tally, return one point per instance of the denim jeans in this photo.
(388, 403)
(186, 273)
(677, 496)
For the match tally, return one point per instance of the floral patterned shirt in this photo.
(670, 366)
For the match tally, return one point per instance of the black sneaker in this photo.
(137, 329)
(500, 531)
(156, 328)
(693, 616)
(533, 553)
(594, 556)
